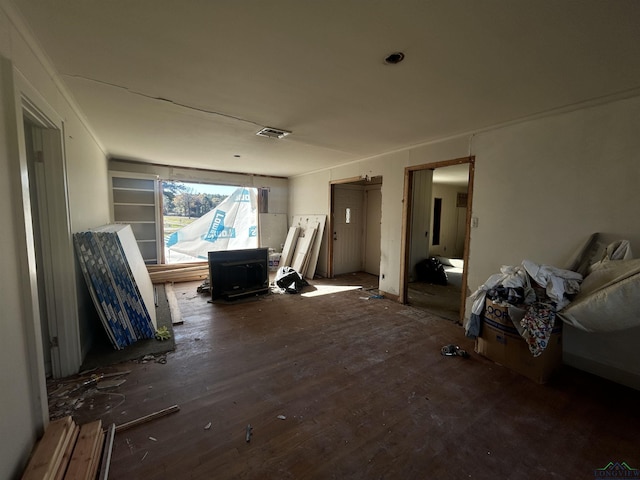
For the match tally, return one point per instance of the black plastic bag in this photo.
(289, 280)
(430, 270)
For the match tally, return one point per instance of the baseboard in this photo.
(390, 296)
(602, 370)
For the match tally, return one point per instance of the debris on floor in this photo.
(163, 333)
(68, 395)
(106, 384)
(205, 287)
(159, 358)
(453, 350)
(289, 280)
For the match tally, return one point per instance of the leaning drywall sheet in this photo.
(289, 246)
(305, 222)
(113, 288)
(272, 230)
(136, 263)
(303, 249)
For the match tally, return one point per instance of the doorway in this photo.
(41, 238)
(437, 206)
(356, 213)
(48, 228)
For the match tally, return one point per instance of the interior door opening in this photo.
(356, 212)
(36, 170)
(436, 237)
(56, 328)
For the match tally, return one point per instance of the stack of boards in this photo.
(302, 246)
(118, 283)
(179, 272)
(70, 452)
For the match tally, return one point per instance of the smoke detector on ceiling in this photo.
(271, 132)
(394, 58)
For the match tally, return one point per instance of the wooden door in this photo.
(348, 214)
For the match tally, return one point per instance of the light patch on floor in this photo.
(329, 289)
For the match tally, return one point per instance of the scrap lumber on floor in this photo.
(147, 418)
(86, 454)
(49, 453)
(178, 272)
(66, 452)
(176, 315)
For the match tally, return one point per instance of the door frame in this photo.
(406, 225)
(331, 223)
(63, 311)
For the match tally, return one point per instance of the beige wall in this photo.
(451, 216)
(541, 188)
(310, 194)
(24, 400)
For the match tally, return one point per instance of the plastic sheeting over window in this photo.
(232, 225)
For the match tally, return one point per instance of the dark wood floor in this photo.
(366, 394)
(440, 300)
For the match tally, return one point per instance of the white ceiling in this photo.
(189, 83)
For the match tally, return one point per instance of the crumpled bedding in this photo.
(609, 298)
(557, 282)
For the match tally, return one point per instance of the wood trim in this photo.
(467, 241)
(406, 225)
(329, 233)
(345, 180)
(404, 240)
(443, 163)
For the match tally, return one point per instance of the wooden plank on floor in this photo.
(147, 418)
(83, 457)
(66, 457)
(176, 315)
(174, 266)
(105, 461)
(49, 451)
(95, 455)
(186, 274)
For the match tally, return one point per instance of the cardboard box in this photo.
(501, 342)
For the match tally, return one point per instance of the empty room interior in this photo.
(449, 188)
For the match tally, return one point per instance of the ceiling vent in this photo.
(271, 132)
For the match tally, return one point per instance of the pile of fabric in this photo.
(609, 299)
(600, 292)
(534, 294)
